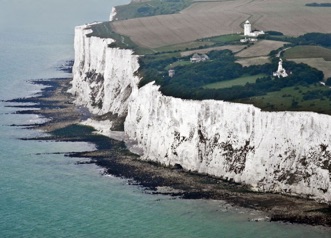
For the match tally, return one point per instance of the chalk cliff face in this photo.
(286, 152)
(272, 151)
(103, 77)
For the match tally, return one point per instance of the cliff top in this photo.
(168, 39)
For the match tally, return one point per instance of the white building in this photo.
(171, 73)
(281, 72)
(248, 40)
(196, 58)
(248, 30)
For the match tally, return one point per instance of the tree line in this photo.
(189, 80)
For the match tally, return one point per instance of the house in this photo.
(196, 58)
(171, 73)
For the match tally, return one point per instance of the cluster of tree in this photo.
(274, 33)
(301, 75)
(322, 39)
(328, 81)
(314, 4)
(315, 39)
(220, 67)
(146, 11)
(152, 68)
(189, 80)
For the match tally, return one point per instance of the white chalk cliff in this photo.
(103, 77)
(286, 152)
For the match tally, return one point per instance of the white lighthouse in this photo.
(247, 28)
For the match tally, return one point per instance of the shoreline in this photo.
(56, 105)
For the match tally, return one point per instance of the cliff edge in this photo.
(285, 152)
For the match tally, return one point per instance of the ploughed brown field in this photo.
(207, 19)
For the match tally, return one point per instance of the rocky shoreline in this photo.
(55, 104)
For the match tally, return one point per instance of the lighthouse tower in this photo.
(247, 28)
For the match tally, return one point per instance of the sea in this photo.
(43, 193)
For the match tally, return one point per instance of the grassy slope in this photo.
(234, 82)
(224, 38)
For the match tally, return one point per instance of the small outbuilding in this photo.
(171, 73)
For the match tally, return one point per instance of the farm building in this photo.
(171, 73)
(196, 58)
(248, 40)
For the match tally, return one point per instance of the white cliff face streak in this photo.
(272, 151)
(285, 152)
(103, 77)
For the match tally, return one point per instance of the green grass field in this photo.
(224, 38)
(234, 82)
(203, 43)
(291, 98)
(178, 63)
(184, 46)
(308, 52)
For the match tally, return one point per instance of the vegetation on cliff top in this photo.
(221, 78)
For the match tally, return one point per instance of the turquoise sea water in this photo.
(43, 194)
